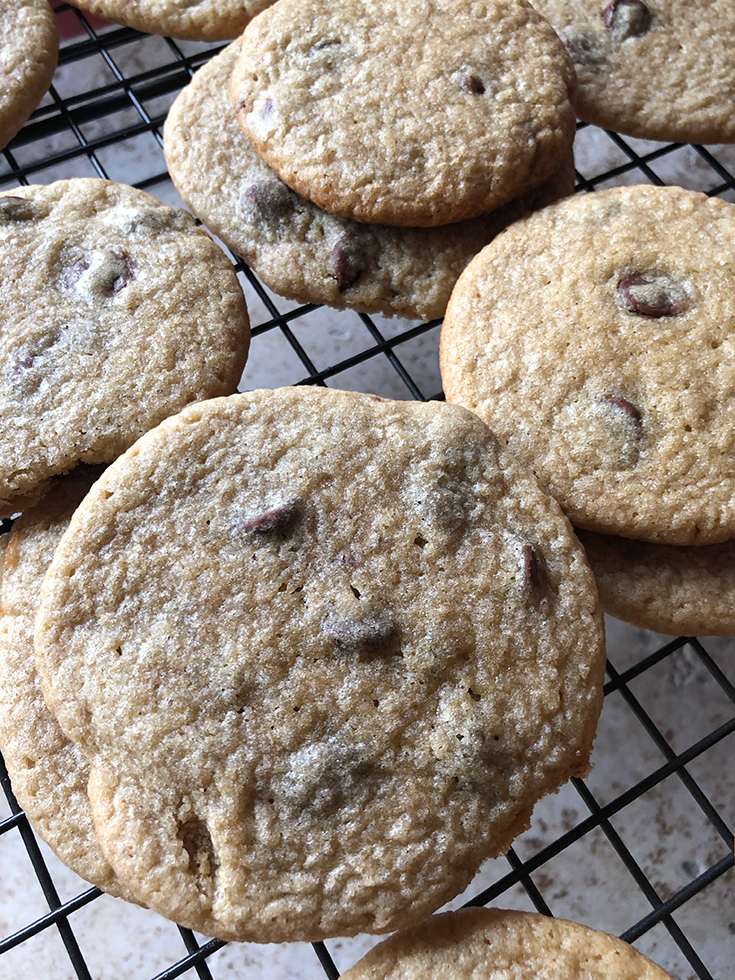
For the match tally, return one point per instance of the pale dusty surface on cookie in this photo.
(610, 369)
(29, 46)
(117, 312)
(675, 589)
(48, 772)
(659, 70)
(422, 112)
(193, 20)
(300, 725)
(495, 944)
(298, 249)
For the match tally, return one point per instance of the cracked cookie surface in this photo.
(610, 370)
(418, 113)
(300, 250)
(659, 69)
(29, 47)
(497, 944)
(364, 645)
(117, 311)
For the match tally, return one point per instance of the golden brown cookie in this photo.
(324, 652)
(496, 944)
(117, 311)
(597, 338)
(675, 589)
(658, 69)
(48, 772)
(417, 113)
(29, 47)
(300, 250)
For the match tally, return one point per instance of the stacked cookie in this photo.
(611, 372)
(317, 653)
(374, 148)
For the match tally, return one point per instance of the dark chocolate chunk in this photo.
(624, 405)
(627, 18)
(531, 570)
(471, 83)
(272, 199)
(653, 295)
(347, 264)
(17, 209)
(369, 632)
(274, 519)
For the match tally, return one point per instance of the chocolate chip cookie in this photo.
(299, 250)
(597, 338)
(658, 69)
(324, 652)
(48, 772)
(193, 20)
(683, 591)
(496, 944)
(29, 46)
(417, 113)
(117, 311)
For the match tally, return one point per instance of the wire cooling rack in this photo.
(642, 848)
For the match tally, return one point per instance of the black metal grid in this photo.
(89, 132)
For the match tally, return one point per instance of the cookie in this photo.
(48, 772)
(364, 645)
(417, 113)
(610, 369)
(658, 69)
(496, 944)
(29, 47)
(299, 250)
(682, 591)
(117, 311)
(191, 20)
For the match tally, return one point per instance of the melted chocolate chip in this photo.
(653, 295)
(103, 273)
(346, 263)
(275, 519)
(17, 209)
(531, 570)
(130, 219)
(627, 18)
(272, 199)
(624, 405)
(368, 633)
(471, 83)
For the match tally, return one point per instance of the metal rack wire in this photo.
(88, 132)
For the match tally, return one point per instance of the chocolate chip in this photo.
(531, 570)
(627, 18)
(368, 633)
(346, 263)
(103, 273)
(17, 209)
(272, 199)
(653, 295)
(624, 405)
(274, 519)
(471, 83)
(161, 218)
(584, 49)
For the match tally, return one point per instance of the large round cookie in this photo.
(683, 591)
(117, 311)
(659, 69)
(29, 46)
(495, 944)
(418, 113)
(324, 652)
(48, 772)
(597, 337)
(299, 250)
(193, 20)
